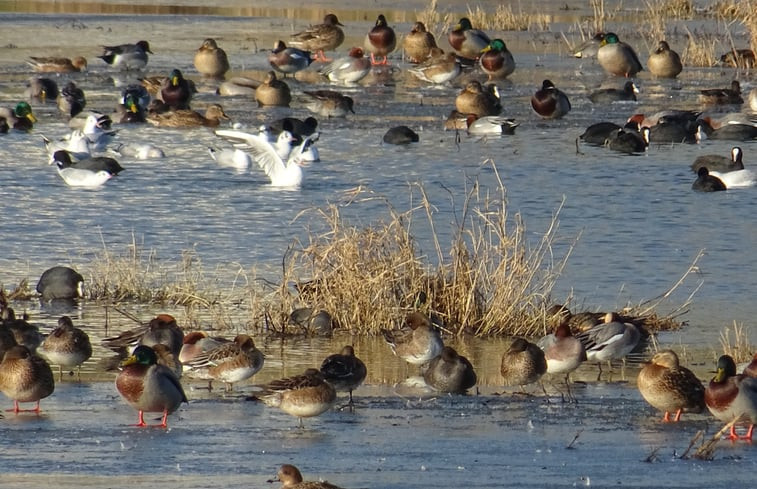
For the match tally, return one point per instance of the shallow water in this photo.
(640, 225)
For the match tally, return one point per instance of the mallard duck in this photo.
(130, 111)
(380, 41)
(161, 329)
(189, 118)
(288, 59)
(417, 342)
(475, 99)
(590, 47)
(273, 92)
(609, 95)
(25, 377)
(563, 352)
(664, 62)
(418, 43)
(720, 163)
(210, 60)
(522, 363)
(329, 103)
(669, 387)
(550, 102)
(148, 386)
(127, 56)
(60, 283)
(706, 182)
(467, 41)
(290, 478)
(731, 397)
(344, 371)
(176, 92)
(722, 96)
(229, 362)
(66, 346)
(303, 396)
(348, 69)
(618, 58)
(450, 372)
(57, 65)
(496, 60)
(168, 359)
(751, 369)
(438, 67)
(41, 89)
(71, 100)
(20, 118)
(319, 38)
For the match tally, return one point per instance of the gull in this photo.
(79, 177)
(77, 144)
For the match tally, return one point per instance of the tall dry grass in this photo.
(505, 18)
(736, 343)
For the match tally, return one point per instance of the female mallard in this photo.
(210, 60)
(344, 371)
(57, 65)
(732, 397)
(496, 60)
(291, 478)
(25, 377)
(66, 346)
(550, 102)
(450, 372)
(229, 362)
(288, 59)
(189, 118)
(148, 386)
(669, 387)
(522, 363)
(380, 41)
(418, 44)
(467, 41)
(438, 68)
(722, 96)
(304, 396)
(273, 92)
(475, 99)
(176, 91)
(664, 62)
(618, 58)
(321, 37)
(20, 118)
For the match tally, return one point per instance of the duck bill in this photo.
(31, 117)
(131, 360)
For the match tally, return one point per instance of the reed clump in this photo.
(505, 18)
(736, 343)
(700, 50)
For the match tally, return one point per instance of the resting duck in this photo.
(669, 387)
(66, 346)
(214, 114)
(722, 96)
(418, 43)
(550, 102)
(273, 92)
(176, 91)
(664, 62)
(348, 69)
(210, 60)
(288, 60)
(127, 56)
(321, 37)
(450, 372)
(475, 99)
(71, 101)
(467, 41)
(496, 60)
(618, 58)
(438, 68)
(19, 118)
(57, 65)
(380, 41)
(25, 377)
(522, 363)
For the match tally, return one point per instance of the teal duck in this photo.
(450, 372)
(344, 371)
(522, 363)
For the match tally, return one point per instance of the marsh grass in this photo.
(700, 50)
(736, 343)
(505, 18)
(436, 23)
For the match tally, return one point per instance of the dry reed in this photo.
(505, 18)
(737, 343)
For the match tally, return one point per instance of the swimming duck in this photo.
(438, 68)
(400, 135)
(288, 59)
(60, 283)
(522, 363)
(563, 352)
(189, 118)
(496, 60)
(273, 92)
(490, 125)
(450, 372)
(66, 346)
(590, 47)
(329, 103)
(609, 95)
(25, 377)
(229, 362)
(729, 396)
(80, 177)
(475, 99)
(664, 62)
(720, 163)
(312, 321)
(669, 387)
(321, 37)
(148, 386)
(739, 58)
(161, 329)
(418, 43)
(380, 41)
(618, 58)
(92, 163)
(210, 60)
(550, 102)
(722, 96)
(706, 182)
(348, 69)
(417, 342)
(291, 478)
(41, 89)
(467, 41)
(344, 371)
(51, 64)
(176, 92)
(304, 396)
(127, 56)
(611, 340)
(20, 118)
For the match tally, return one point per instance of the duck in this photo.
(291, 478)
(670, 387)
(175, 91)
(24, 333)
(229, 362)
(417, 342)
(71, 101)
(563, 352)
(41, 90)
(590, 47)
(189, 118)
(344, 371)
(25, 377)
(210, 60)
(720, 163)
(550, 102)
(598, 133)
(238, 86)
(288, 60)
(304, 396)
(329, 103)
(66, 346)
(60, 282)
(348, 69)
(450, 372)
(490, 124)
(127, 56)
(611, 340)
(80, 177)
(751, 369)
(438, 68)
(273, 92)
(149, 387)
(52, 64)
(7, 339)
(163, 328)
(130, 111)
(92, 163)
(400, 135)
(496, 60)
(706, 182)
(475, 99)
(618, 58)
(722, 96)
(197, 343)
(312, 321)
(168, 359)
(664, 62)
(730, 396)
(21, 118)
(418, 43)
(467, 41)
(326, 36)
(739, 58)
(609, 95)
(380, 41)
(522, 363)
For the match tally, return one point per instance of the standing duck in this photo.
(273, 92)
(380, 41)
(475, 99)
(590, 47)
(25, 377)
(618, 58)
(496, 60)
(418, 43)
(563, 352)
(664, 62)
(229, 362)
(127, 56)
(176, 91)
(66, 346)
(669, 387)
(731, 397)
(210, 60)
(550, 102)
(450, 372)
(288, 60)
(417, 342)
(348, 69)
(321, 37)
(610, 340)
(344, 371)
(303, 396)
(161, 329)
(467, 41)
(522, 363)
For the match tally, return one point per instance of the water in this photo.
(640, 227)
